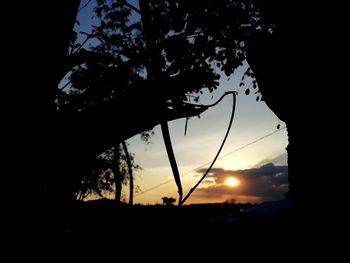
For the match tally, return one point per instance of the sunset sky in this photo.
(259, 169)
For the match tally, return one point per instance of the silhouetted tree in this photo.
(231, 201)
(111, 171)
(158, 57)
(303, 40)
(129, 160)
(168, 201)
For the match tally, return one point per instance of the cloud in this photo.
(281, 159)
(208, 181)
(268, 182)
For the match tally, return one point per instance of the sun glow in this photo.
(232, 182)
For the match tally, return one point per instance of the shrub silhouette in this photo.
(168, 201)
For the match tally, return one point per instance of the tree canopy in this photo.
(150, 66)
(157, 57)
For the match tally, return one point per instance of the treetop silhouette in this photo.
(151, 65)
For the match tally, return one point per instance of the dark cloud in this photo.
(269, 170)
(208, 181)
(268, 182)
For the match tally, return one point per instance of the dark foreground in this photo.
(102, 218)
(226, 230)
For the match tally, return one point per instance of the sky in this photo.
(260, 169)
(195, 151)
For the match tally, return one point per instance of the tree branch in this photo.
(211, 105)
(65, 85)
(171, 155)
(234, 93)
(131, 7)
(85, 5)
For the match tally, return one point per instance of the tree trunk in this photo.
(131, 178)
(49, 34)
(290, 69)
(154, 72)
(117, 176)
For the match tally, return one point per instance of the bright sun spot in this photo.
(231, 181)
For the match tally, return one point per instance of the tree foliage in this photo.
(167, 50)
(101, 179)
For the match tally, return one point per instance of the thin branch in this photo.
(83, 43)
(186, 126)
(65, 85)
(211, 105)
(81, 8)
(132, 7)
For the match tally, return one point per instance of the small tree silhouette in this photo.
(168, 201)
(232, 201)
(111, 170)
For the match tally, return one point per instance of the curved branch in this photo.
(215, 103)
(234, 93)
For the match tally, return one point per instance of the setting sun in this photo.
(231, 181)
